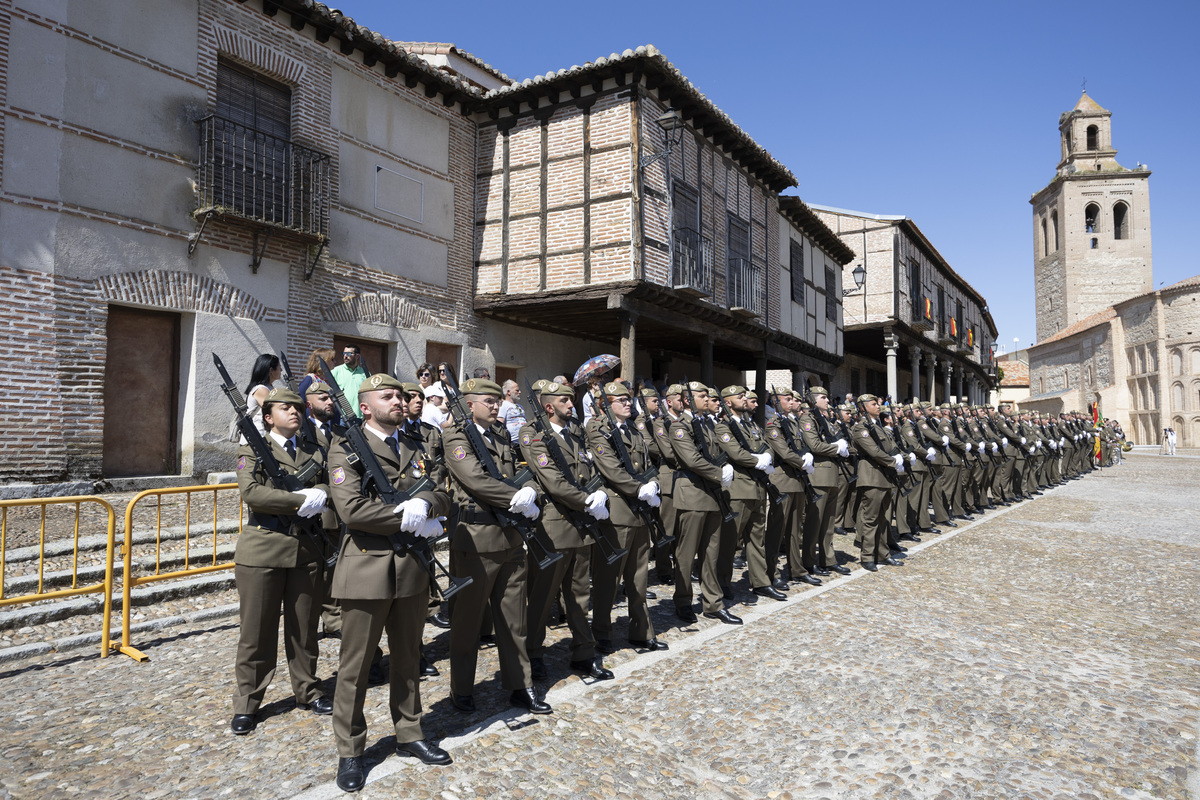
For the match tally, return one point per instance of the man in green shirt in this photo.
(350, 374)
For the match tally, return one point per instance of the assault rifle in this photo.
(826, 436)
(609, 547)
(924, 442)
(540, 546)
(280, 479)
(403, 543)
(658, 534)
(758, 475)
(810, 493)
(306, 423)
(698, 436)
(870, 426)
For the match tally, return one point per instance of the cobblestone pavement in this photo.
(1051, 650)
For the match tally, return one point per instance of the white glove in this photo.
(968, 447)
(945, 441)
(523, 501)
(899, 461)
(1062, 442)
(314, 502)
(1032, 450)
(1022, 440)
(843, 448)
(982, 447)
(1053, 445)
(931, 454)
(1039, 443)
(912, 458)
(900, 470)
(413, 514)
(809, 469)
(995, 447)
(597, 505)
(1004, 441)
(648, 493)
(431, 528)
(764, 461)
(807, 458)
(726, 476)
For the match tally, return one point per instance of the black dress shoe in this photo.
(724, 616)
(537, 669)
(377, 676)
(869, 566)
(819, 571)
(605, 647)
(1039, 492)
(892, 562)
(965, 516)
(528, 699)
(840, 570)
(322, 705)
(649, 644)
(850, 530)
(487, 638)
(665, 580)
(651, 595)
(594, 668)
(686, 614)
(463, 702)
(350, 776)
(426, 751)
(899, 549)
(771, 592)
(912, 537)
(934, 531)
(242, 724)
(839, 530)
(949, 523)
(440, 620)
(428, 670)
(739, 562)
(780, 583)
(809, 579)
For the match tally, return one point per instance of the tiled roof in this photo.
(673, 85)
(1016, 373)
(1089, 106)
(1081, 325)
(447, 49)
(811, 225)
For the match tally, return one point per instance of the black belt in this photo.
(477, 516)
(269, 521)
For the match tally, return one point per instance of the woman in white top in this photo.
(266, 371)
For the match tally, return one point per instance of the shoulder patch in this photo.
(808, 426)
(599, 450)
(866, 435)
(924, 427)
(526, 439)
(241, 464)
(660, 431)
(459, 453)
(641, 426)
(724, 437)
(543, 460)
(337, 475)
(679, 433)
(774, 434)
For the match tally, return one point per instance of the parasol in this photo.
(596, 365)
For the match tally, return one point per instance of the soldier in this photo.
(492, 555)
(633, 535)
(664, 456)
(1008, 481)
(277, 567)
(847, 498)
(912, 514)
(875, 485)
(828, 469)
(566, 496)
(381, 589)
(698, 511)
(320, 427)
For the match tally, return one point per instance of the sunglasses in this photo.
(425, 374)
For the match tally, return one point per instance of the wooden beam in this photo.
(347, 46)
(369, 58)
(392, 68)
(412, 80)
(323, 34)
(430, 89)
(270, 7)
(298, 22)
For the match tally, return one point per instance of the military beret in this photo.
(379, 381)
(539, 385)
(944, 407)
(797, 395)
(673, 389)
(650, 393)
(816, 390)
(733, 389)
(412, 388)
(552, 389)
(867, 398)
(317, 387)
(751, 395)
(282, 396)
(616, 389)
(480, 386)
(697, 386)
(925, 404)
(712, 391)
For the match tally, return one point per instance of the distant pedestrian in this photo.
(1170, 441)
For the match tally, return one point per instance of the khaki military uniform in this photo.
(912, 513)
(699, 516)
(277, 569)
(748, 499)
(664, 455)
(876, 491)
(826, 478)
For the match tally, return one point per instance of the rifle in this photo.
(870, 424)
(826, 435)
(758, 475)
(933, 468)
(810, 492)
(658, 534)
(540, 546)
(609, 548)
(702, 445)
(403, 543)
(306, 423)
(280, 479)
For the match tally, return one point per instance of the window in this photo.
(958, 318)
(1120, 221)
(255, 115)
(1054, 229)
(1093, 137)
(796, 264)
(941, 298)
(831, 311)
(1095, 243)
(1045, 238)
(1176, 362)
(1091, 218)
(914, 288)
(686, 207)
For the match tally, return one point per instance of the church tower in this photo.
(1091, 225)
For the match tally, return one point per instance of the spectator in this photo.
(263, 376)
(350, 374)
(482, 372)
(313, 375)
(425, 376)
(512, 413)
(434, 411)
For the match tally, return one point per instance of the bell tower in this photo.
(1091, 225)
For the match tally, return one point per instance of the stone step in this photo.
(201, 554)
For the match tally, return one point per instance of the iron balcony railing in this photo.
(692, 268)
(248, 174)
(745, 287)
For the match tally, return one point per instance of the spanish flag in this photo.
(928, 309)
(954, 327)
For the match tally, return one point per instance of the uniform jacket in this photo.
(691, 494)
(826, 471)
(664, 454)
(556, 489)
(471, 488)
(745, 485)
(622, 486)
(264, 547)
(876, 468)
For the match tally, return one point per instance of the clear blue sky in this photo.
(944, 112)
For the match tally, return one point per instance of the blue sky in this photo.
(944, 112)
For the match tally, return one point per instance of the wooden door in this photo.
(373, 354)
(141, 393)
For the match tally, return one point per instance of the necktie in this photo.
(291, 449)
(394, 444)
(325, 430)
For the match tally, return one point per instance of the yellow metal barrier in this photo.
(104, 587)
(132, 580)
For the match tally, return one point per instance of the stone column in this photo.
(914, 357)
(930, 365)
(960, 384)
(628, 345)
(706, 360)
(890, 342)
(946, 382)
(797, 381)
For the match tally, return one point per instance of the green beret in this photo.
(552, 389)
(816, 390)
(380, 381)
(867, 398)
(734, 389)
(697, 386)
(944, 407)
(318, 387)
(282, 396)
(412, 388)
(796, 395)
(480, 386)
(674, 388)
(648, 393)
(712, 391)
(539, 385)
(751, 395)
(616, 389)
(845, 407)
